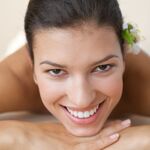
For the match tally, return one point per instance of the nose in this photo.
(80, 92)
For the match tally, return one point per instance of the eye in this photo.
(103, 68)
(56, 72)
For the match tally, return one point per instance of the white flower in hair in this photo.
(135, 48)
(125, 26)
(131, 36)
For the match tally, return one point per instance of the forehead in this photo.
(78, 32)
(75, 41)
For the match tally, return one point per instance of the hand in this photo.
(21, 135)
(133, 138)
(107, 136)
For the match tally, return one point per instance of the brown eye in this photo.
(103, 68)
(56, 72)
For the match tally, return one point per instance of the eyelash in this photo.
(107, 68)
(51, 72)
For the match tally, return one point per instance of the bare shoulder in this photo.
(136, 94)
(17, 89)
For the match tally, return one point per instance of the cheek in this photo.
(50, 91)
(111, 87)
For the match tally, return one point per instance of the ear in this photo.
(34, 78)
(28, 56)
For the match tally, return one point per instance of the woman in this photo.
(78, 73)
(77, 52)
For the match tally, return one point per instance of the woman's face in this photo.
(79, 75)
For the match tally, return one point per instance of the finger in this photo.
(111, 122)
(115, 127)
(98, 144)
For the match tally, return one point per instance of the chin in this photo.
(84, 132)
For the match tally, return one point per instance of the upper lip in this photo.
(83, 109)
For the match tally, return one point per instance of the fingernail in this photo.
(126, 123)
(114, 136)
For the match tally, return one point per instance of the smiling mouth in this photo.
(84, 114)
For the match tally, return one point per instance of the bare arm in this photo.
(133, 138)
(18, 91)
(16, 135)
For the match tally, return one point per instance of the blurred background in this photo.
(12, 14)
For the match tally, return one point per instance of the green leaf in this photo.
(128, 37)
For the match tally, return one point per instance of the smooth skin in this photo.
(17, 69)
(79, 76)
(19, 75)
(23, 135)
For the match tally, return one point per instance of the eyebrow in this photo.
(63, 66)
(105, 59)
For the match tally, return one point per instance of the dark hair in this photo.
(66, 13)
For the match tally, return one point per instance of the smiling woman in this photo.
(86, 51)
(79, 86)
(77, 58)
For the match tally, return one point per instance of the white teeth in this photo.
(80, 115)
(75, 113)
(91, 112)
(85, 114)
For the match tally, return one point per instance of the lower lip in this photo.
(88, 120)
